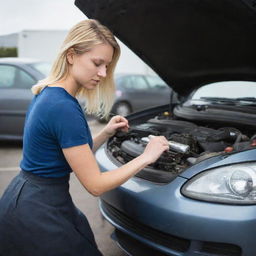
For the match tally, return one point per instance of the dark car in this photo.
(199, 198)
(136, 92)
(17, 76)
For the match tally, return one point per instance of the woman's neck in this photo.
(68, 84)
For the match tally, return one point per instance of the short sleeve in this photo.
(68, 125)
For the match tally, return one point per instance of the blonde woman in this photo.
(37, 215)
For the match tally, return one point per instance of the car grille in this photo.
(172, 242)
(135, 247)
(221, 249)
(169, 241)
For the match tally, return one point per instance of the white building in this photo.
(44, 45)
(9, 40)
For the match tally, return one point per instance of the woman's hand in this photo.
(115, 123)
(154, 149)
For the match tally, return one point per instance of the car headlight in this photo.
(233, 184)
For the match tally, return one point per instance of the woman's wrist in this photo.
(106, 134)
(145, 159)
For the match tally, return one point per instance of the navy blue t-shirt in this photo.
(54, 121)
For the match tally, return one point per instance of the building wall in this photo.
(10, 40)
(41, 45)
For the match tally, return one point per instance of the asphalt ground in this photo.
(10, 156)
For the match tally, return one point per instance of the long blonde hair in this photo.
(81, 38)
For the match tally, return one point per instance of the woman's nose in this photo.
(102, 71)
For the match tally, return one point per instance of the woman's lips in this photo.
(95, 81)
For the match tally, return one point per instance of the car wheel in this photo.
(122, 109)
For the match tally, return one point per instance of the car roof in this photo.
(17, 60)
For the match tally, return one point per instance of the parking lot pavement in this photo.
(10, 152)
(10, 155)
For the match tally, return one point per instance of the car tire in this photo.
(122, 109)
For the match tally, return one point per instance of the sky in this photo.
(18, 15)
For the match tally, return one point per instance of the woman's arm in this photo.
(99, 139)
(84, 165)
(116, 122)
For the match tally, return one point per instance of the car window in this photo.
(229, 89)
(155, 82)
(24, 80)
(138, 83)
(42, 67)
(122, 82)
(14, 77)
(7, 76)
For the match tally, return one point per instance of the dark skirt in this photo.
(39, 218)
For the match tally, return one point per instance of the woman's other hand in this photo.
(116, 123)
(154, 149)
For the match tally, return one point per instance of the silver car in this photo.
(135, 92)
(199, 197)
(16, 78)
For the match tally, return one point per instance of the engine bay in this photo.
(190, 143)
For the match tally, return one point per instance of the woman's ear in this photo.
(70, 56)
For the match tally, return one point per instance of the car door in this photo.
(15, 97)
(138, 91)
(159, 92)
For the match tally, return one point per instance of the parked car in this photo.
(199, 198)
(135, 92)
(17, 76)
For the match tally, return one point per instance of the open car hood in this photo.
(188, 43)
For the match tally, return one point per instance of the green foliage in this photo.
(8, 52)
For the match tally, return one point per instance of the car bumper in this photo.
(160, 217)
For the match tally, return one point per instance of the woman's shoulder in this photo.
(64, 107)
(56, 96)
(55, 102)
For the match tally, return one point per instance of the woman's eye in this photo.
(97, 64)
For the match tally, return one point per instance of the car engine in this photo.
(190, 143)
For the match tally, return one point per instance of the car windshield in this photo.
(42, 67)
(231, 92)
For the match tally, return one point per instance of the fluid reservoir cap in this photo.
(228, 149)
(253, 144)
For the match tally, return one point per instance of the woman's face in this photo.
(89, 68)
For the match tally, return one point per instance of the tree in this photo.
(8, 52)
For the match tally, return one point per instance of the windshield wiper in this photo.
(219, 100)
(251, 99)
(235, 101)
